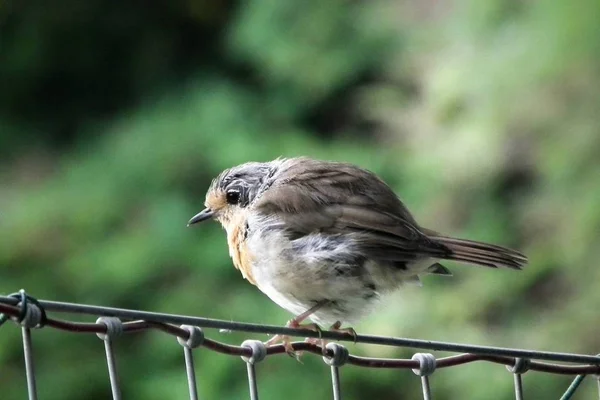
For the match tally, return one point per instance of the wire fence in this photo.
(31, 314)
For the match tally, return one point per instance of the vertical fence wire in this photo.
(335, 383)
(29, 369)
(339, 357)
(252, 384)
(114, 327)
(190, 372)
(518, 386)
(259, 352)
(30, 316)
(518, 369)
(426, 388)
(195, 340)
(112, 370)
(427, 365)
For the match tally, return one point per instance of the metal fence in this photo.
(31, 314)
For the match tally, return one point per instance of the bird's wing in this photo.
(311, 196)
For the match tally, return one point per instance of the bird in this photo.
(327, 240)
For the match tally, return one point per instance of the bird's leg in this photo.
(296, 322)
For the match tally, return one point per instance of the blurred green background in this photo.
(114, 117)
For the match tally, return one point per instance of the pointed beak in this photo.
(203, 215)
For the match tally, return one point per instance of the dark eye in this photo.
(233, 196)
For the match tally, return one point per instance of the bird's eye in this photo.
(233, 196)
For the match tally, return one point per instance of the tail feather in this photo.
(479, 253)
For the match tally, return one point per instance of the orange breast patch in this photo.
(238, 249)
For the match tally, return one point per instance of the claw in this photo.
(350, 331)
(277, 339)
(286, 340)
(322, 343)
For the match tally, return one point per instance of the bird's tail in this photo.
(479, 253)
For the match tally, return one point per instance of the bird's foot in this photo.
(337, 327)
(322, 343)
(314, 327)
(287, 341)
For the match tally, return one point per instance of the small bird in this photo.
(326, 240)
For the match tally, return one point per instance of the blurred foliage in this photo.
(113, 119)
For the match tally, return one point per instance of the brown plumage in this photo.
(338, 197)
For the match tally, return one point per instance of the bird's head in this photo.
(233, 190)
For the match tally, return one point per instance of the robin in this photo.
(325, 240)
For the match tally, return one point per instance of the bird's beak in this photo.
(201, 216)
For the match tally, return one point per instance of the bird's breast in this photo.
(237, 239)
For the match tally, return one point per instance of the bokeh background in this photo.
(114, 117)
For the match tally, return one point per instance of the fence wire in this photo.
(31, 313)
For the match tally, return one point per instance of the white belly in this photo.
(298, 277)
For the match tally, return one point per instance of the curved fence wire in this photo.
(32, 314)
